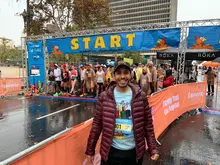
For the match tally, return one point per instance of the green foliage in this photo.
(70, 58)
(89, 14)
(9, 53)
(67, 15)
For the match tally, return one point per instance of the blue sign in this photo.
(118, 42)
(206, 37)
(36, 61)
(35, 52)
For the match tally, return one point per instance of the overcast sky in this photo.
(11, 26)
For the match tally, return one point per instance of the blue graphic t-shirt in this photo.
(123, 135)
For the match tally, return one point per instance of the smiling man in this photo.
(124, 118)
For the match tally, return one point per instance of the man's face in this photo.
(122, 76)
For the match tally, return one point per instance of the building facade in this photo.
(136, 12)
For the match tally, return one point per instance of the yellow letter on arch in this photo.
(115, 41)
(99, 42)
(130, 38)
(75, 44)
(86, 42)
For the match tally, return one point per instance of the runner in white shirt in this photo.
(82, 75)
(58, 79)
(100, 77)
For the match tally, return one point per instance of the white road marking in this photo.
(57, 112)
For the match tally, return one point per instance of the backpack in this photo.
(135, 77)
(79, 75)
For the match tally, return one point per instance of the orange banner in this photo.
(166, 105)
(171, 103)
(10, 86)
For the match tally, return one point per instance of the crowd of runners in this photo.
(87, 80)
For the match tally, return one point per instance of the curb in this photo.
(210, 111)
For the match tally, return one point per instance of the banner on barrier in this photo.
(129, 41)
(166, 106)
(10, 86)
(174, 101)
(206, 37)
(36, 62)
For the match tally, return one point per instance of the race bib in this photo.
(100, 80)
(123, 126)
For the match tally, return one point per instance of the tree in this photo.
(4, 41)
(14, 56)
(4, 47)
(89, 14)
(67, 15)
(54, 12)
(70, 58)
(8, 52)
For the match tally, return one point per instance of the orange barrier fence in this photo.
(10, 86)
(172, 102)
(69, 148)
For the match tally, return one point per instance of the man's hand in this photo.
(155, 157)
(90, 159)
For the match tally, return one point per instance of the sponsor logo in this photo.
(37, 50)
(194, 95)
(166, 55)
(9, 86)
(205, 55)
(36, 56)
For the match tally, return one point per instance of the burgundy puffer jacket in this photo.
(104, 121)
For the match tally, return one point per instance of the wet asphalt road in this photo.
(192, 140)
(19, 128)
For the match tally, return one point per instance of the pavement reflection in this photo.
(190, 141)
(19, 128)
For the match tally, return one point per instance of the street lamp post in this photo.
(28, 17)
(27, 14)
